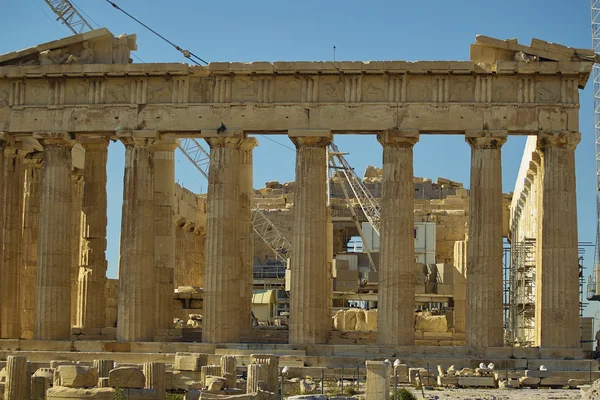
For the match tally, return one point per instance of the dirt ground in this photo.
(499, 394)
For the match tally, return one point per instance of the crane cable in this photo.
(186, 53)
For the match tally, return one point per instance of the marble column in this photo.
(91, 281)
(13, 178)
(309, 321)
(164, 239)
(557, 276)
(137, 288)
(5, 140)
(484, 324)
(53, 300)
(396, 295)
(378, 379)
(31, 217)
(76, 201)
(246, 231)
(222, 323)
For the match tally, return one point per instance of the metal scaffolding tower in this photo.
(595, 11)
(519, 293)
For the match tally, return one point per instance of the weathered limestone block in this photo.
(39, 385)
(65, 393)
(214, 383)
(476, 381)
(209, 370)
(350, 319)
(338, 320)
(371, 320)
(361, 320)
(190, 361)
(104, 367)
(228, 370)
(76, 376)
(309, 296)
(484, 323)
(126, 377)
(378, 380)
(17, 379)
(272, 362)
(396, 294)
(401, 372)
(426, 322)
(53, 289)
(257, 373)
(529, 381)
(156, 378)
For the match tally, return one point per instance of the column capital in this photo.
(486, 139)
(310, 137)
(405, 138)
(230, 142)
(138, 138)
(34, 160)
(55, 139)
(167, 142)
(6, 139)
(248, 144)
(15, 149)
(93, 143)
(561, 140)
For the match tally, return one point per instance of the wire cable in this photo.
(47, 16)
(186, 53)
(281, 144)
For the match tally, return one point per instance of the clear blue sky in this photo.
(304, 31)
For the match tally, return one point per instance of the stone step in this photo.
(277, 352)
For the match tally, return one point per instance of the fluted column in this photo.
(31, 216)
(156, 379)
(396, 294)
(53, 299)
(76, 201)
(18, 377)
(484, 253)
(137, 296)
(14, 172)
(246, 232)
(5, 140)
(221, 323)
(91, 283)
(164, 239)
(557, 273)
(309, 322)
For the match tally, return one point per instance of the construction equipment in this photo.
(367, 202)
(341, 165)
(69, 16)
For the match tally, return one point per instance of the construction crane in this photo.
(191, 148)
(338, 166)
(69, 16)
(367, 202)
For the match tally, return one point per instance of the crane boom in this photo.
(595, 11)
(69, 16)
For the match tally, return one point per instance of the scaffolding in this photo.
(519, 293)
